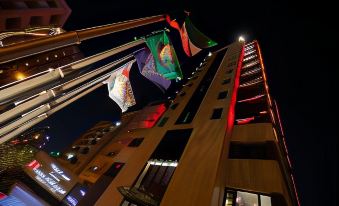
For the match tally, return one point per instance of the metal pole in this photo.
(29, 48)
(57, 74)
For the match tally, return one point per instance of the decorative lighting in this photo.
(20, 76)
(118, 123)
(241, 39)
(209, 54)
(55, 55)
(70, 155)
(26, 64)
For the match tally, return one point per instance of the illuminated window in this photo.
(94, 168)
(244, 198)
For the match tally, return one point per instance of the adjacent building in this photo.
(219, 142)
(22, 14)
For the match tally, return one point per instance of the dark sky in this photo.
(297, 42)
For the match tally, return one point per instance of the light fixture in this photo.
(241, 39)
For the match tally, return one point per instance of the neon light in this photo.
(244, 121)
(231, 112)
(278, 114)
(252, 98)
(34, 164)
(295, 190)
(289, 161)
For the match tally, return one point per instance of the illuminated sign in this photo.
(52, 177)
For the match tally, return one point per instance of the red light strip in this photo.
(245, 121)
(295, 190)
(231, 112)
(252, 98)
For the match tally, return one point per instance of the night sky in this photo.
(297, 42)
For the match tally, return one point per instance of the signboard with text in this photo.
(50, 175)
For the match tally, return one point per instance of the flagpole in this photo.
(25, 86)
(50, 94)
(24, 49)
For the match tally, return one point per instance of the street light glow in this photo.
(241, 39)
(20, 75)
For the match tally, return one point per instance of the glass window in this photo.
(216, 113)
(162, 121)
(222, 95)
(234, 197)
(226, 81)
(173, 106)
(265, 200)
(246, 199)
(136, 142)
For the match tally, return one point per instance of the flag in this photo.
(193, 41)
(146, 64)
(166, 61)
(119, 87)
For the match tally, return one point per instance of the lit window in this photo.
(243, 198)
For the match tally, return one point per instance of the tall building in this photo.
(21, 14)
(220, 142)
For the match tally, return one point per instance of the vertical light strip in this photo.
(263, 71)
(231, 112)
(295, 190)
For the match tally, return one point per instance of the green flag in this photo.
(165, 58)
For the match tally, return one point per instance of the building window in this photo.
(94, 168)
(52, 4)
(231, 64)
(193, 104)
(114, 169)
(162, 121)
(226, 81)
(264, 151)
(111, 154)
(182, 93)
(55, 19)
(229, 71)
(188, 84)
(84, 150)
(239, 198)
(217, 113)
(136, 142)
(13, 23)
(173, 106)
(222, 95)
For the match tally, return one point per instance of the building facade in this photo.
(20, 14)
(218, 142)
